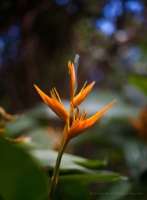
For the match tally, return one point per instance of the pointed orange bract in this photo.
(54, 103)
(76, 100)
(80, 124)
(82, 94)
(72, 79)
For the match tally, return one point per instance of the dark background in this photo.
(38, 38)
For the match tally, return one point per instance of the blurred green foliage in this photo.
(21, 176)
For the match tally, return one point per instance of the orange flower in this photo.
(54, 103)
(80, 123)
(3, 122)
(140, 124)
(7, 117)
(82, 94)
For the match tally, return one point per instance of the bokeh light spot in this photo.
(1, 61)
(121, 36)
(61, 2)
(134, 53)
(105, 26)
(134, 6)
(96, 74)
(113, 9)
(2, 45)
(13, 31)
(98, 52)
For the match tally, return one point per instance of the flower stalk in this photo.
(54, 179)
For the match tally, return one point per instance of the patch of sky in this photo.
(2, 45)
(1, 60)
(62, 2)
(106, 26)
(14, 31)
(113, 9)
(135, 7)
(72, 8)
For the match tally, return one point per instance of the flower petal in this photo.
(82, 94)
(80, 127)
(54, 104)
(72, 79)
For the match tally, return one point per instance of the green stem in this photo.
(54, 179)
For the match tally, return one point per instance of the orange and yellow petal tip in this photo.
(69, 65)
(42, 94)
(69, 62)
(37, 88)
(111, 103)
(92, 84)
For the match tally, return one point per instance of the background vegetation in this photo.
(37, 39)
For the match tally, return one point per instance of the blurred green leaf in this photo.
(1, 198)
(39, 137)
(140, 82)
(20, 176)
(68, 163)
(92, 163)
(116, 191)
(20, 125)
(135, 154)
(91, 177)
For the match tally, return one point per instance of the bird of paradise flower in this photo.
(75, 123)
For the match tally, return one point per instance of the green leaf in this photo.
(91, 177)
(1, 198)
(20, 176)
(39, 137)
(68, 163)
(92, 163)
(140, 82)
(20, 125)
